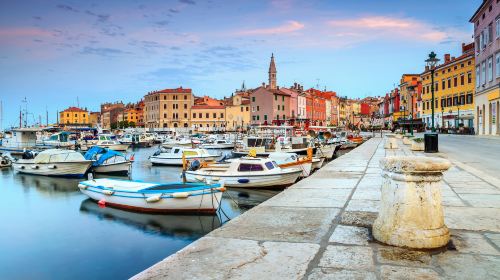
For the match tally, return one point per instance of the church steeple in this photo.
(272, 73)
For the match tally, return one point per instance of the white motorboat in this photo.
(57, 140)
(317, 163)
(170, 143)
(54, 162)
(246, 172)
(175, 156)
(18, 140)
(326, 150)
(292, 160)
(154, 197)
(108, 161)
(218, 144)
(5, 160)
(104, 141)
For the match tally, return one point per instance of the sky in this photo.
(65, 53)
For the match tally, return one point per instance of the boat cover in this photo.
(57, 155)
(105, 154)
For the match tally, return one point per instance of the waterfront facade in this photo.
(486, 22)
(208, 117)
(110, 112)
(237, 112)
(453, 91)
(168, 108)
(74, 116)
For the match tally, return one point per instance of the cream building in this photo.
(238, 113)
(168, 108)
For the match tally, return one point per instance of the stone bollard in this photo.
(410, 213)
(390, 142)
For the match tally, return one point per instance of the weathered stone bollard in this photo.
(410, 213)
(390, 142)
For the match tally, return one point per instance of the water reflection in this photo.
(49, 185)
(178, 226)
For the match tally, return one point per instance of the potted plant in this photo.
(417, 144)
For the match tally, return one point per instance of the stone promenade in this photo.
(320, 228)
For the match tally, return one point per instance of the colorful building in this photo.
(168, 108)
(74, 116)
(486, 22)
(453, 91)
(208, 117)
(94, 118)
(238, 114)
(110, 112)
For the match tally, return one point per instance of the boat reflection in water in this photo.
(48, 185)
(178, 226)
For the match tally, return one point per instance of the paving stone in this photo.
(346, 168)
(404, 257)
(403, 273)
(452, 201)
(363, 205)
(310, 198)
(367, 193)
(482, 200)
(472, 218)
(350, 235)
(474, 243)
(494, 237)
(356, 218)
(218, 258)
(280, 224)
(340, 274)
(348, 257)
(467, 266)
(481, 190)
(322, 183)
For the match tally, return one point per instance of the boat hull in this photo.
(61, 169)
(248, 181)
(204, 201)
(155, 160)
(113, 168)
(217, 146)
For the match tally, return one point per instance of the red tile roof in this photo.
(74, 109)
(173, 90)
(207, 107)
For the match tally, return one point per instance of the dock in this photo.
(320, 228)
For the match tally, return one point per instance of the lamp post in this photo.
(459, 103)
(432, 62)
(411, 90)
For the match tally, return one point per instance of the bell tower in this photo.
(272, 73)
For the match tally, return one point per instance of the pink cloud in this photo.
(289, 27)
(23, 32)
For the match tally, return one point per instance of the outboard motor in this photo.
(195, 165)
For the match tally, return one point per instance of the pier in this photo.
(320, 228)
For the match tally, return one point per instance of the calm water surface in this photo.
(49, 230)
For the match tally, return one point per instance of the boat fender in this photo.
(221, 189)
(82, 187)
(52, 166)
(108, 192)
(34, 167)
(102, 203)
(22, 167)
(154, 198)
(243, 181)
(180, 195)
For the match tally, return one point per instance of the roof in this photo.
(172, 90)
(207, 107)
(272, 65)
(469, 53)
(478, 10)
(74, 109)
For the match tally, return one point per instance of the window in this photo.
(469, 77)
(67, 115)
(269, 165)
(443, 103)
(449, 82)
(185, 106)
(455, 100)
(490, 68)
(448, 102)
(478, 81)
(258, 117)
(185, 115)
(461, 100)
(490, 33)
(443, 84)
(164, 97)
(185, 97)
(253, 118)
(462, 79)
(194, 115)
(497, 64)
(200, 115)
(283, 98)
(207, 115)
(246, 167)
(455, 81)
(284, 117)
(497, 28)
(258, 108)
(265, 117)
(246, 108)
(481, 40)
(469, 98)
(275, 97)
(253, 98)
(241, 109)
(222, 115)
(278, 107)
(483, 73)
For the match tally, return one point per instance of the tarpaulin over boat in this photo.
(105, 154)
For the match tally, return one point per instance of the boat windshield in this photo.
(246, 167)
(269, 165)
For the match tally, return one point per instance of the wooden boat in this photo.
(54, 162)
(246, 172)
(154, 197)
(317, 163)
(108, 161)
(291, 160)
(175, 155)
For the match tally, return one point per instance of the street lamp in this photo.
(411, 90)
(432, 62)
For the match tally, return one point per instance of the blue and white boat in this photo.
(154, 197)
(108, 161)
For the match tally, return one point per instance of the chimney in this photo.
(263, 84)
(452, 58)
(278, 87)
(446, 58)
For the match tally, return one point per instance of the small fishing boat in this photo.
(104, 141)
(54, 162)
(326, 150)
(317, 163)
(175, 156)
(5, 160)
(154, 197)
(170, 143)
(292, 160)
(61, 139)
(108, 161)
(245, 172)
(348, 144)
(218, 144)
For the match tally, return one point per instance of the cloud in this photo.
(23, 32)
(372, 27)
(190, 2)
(67, 8)
(161, 23)
(288, 27)
(173, 11)
(106, 52)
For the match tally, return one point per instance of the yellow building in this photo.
(453, 91)
(409, 95)
(208, 117)
(94, 118)
(238, 114)
(74, 116)
(168, 108)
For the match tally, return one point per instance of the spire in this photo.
(272, 73)
(243, 87)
